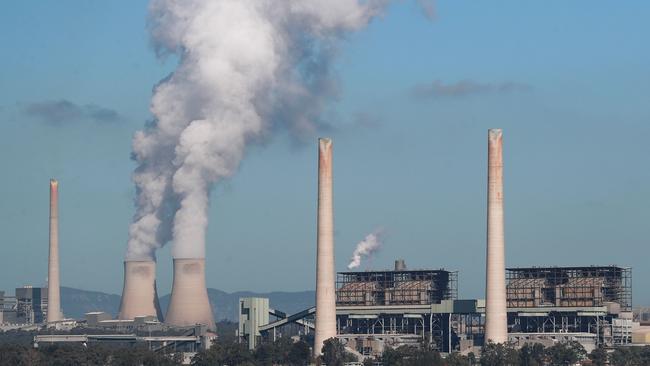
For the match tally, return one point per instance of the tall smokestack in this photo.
(496, 328)
(139, 296)
(53, 291)
(325, 289)
(189, 304)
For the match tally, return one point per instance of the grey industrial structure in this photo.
(376, 309)
(593, 303)
(28, 306)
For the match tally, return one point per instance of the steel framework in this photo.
(415, 287)
(569, 287)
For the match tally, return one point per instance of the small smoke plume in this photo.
(366, 248)
(246, 68)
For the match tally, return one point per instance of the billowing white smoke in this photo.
(245, 67)
(366, 248)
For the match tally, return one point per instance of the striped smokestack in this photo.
(325, 288)
(53, 291)
(496, 329)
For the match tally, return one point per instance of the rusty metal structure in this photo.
(569, 287)
(594, 301)
(397, 307)
(406, 287)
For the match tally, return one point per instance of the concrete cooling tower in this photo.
(139, 297)
(325, 286)
(189, 304)
(496, 328)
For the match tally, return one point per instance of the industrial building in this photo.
(28, 306)
(253, 313)
(375, 309)
(143, 331)
(594, 304)
(378, 308)
(396, 307)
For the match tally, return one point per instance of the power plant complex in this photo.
(367, 310)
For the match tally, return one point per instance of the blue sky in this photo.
(569, 83)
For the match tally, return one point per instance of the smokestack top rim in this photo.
(495, 132)
(54, 182)
(188, 259)
(324, 143)
(140, 260)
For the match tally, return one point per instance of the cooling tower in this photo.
(139, 296)
(189, 304)
(53, 291)
(325, 288)
(496, 328)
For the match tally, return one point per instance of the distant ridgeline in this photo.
(76, 303)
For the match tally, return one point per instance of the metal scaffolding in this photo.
(569, 287)
(416, 287)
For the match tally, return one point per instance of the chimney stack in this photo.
(53, 291)
(496, 328)
(139, 296)
(189, 304)
(400, 265)
(325, 288)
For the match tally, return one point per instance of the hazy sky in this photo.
(569, 83)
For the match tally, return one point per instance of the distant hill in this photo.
(224, 304)
(76, 303)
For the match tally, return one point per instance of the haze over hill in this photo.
(76, 302)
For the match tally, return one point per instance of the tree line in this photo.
(289, 353)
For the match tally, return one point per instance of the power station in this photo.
(390, 308)
(367, 310)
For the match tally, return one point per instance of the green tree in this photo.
(333, 353)
(471, 357)
(393, 356)
(139, 356)
(63, 355)
(265, 354)
(499, 354)
(598, 356)
(224, 353)
(411, 356)
(624, 356)
(565, 353)
(456, 359)
(532, 355)
(18, 355)
(424, 357)
(299, 354)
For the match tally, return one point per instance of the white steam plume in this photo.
(245, 68)
(366, 248)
